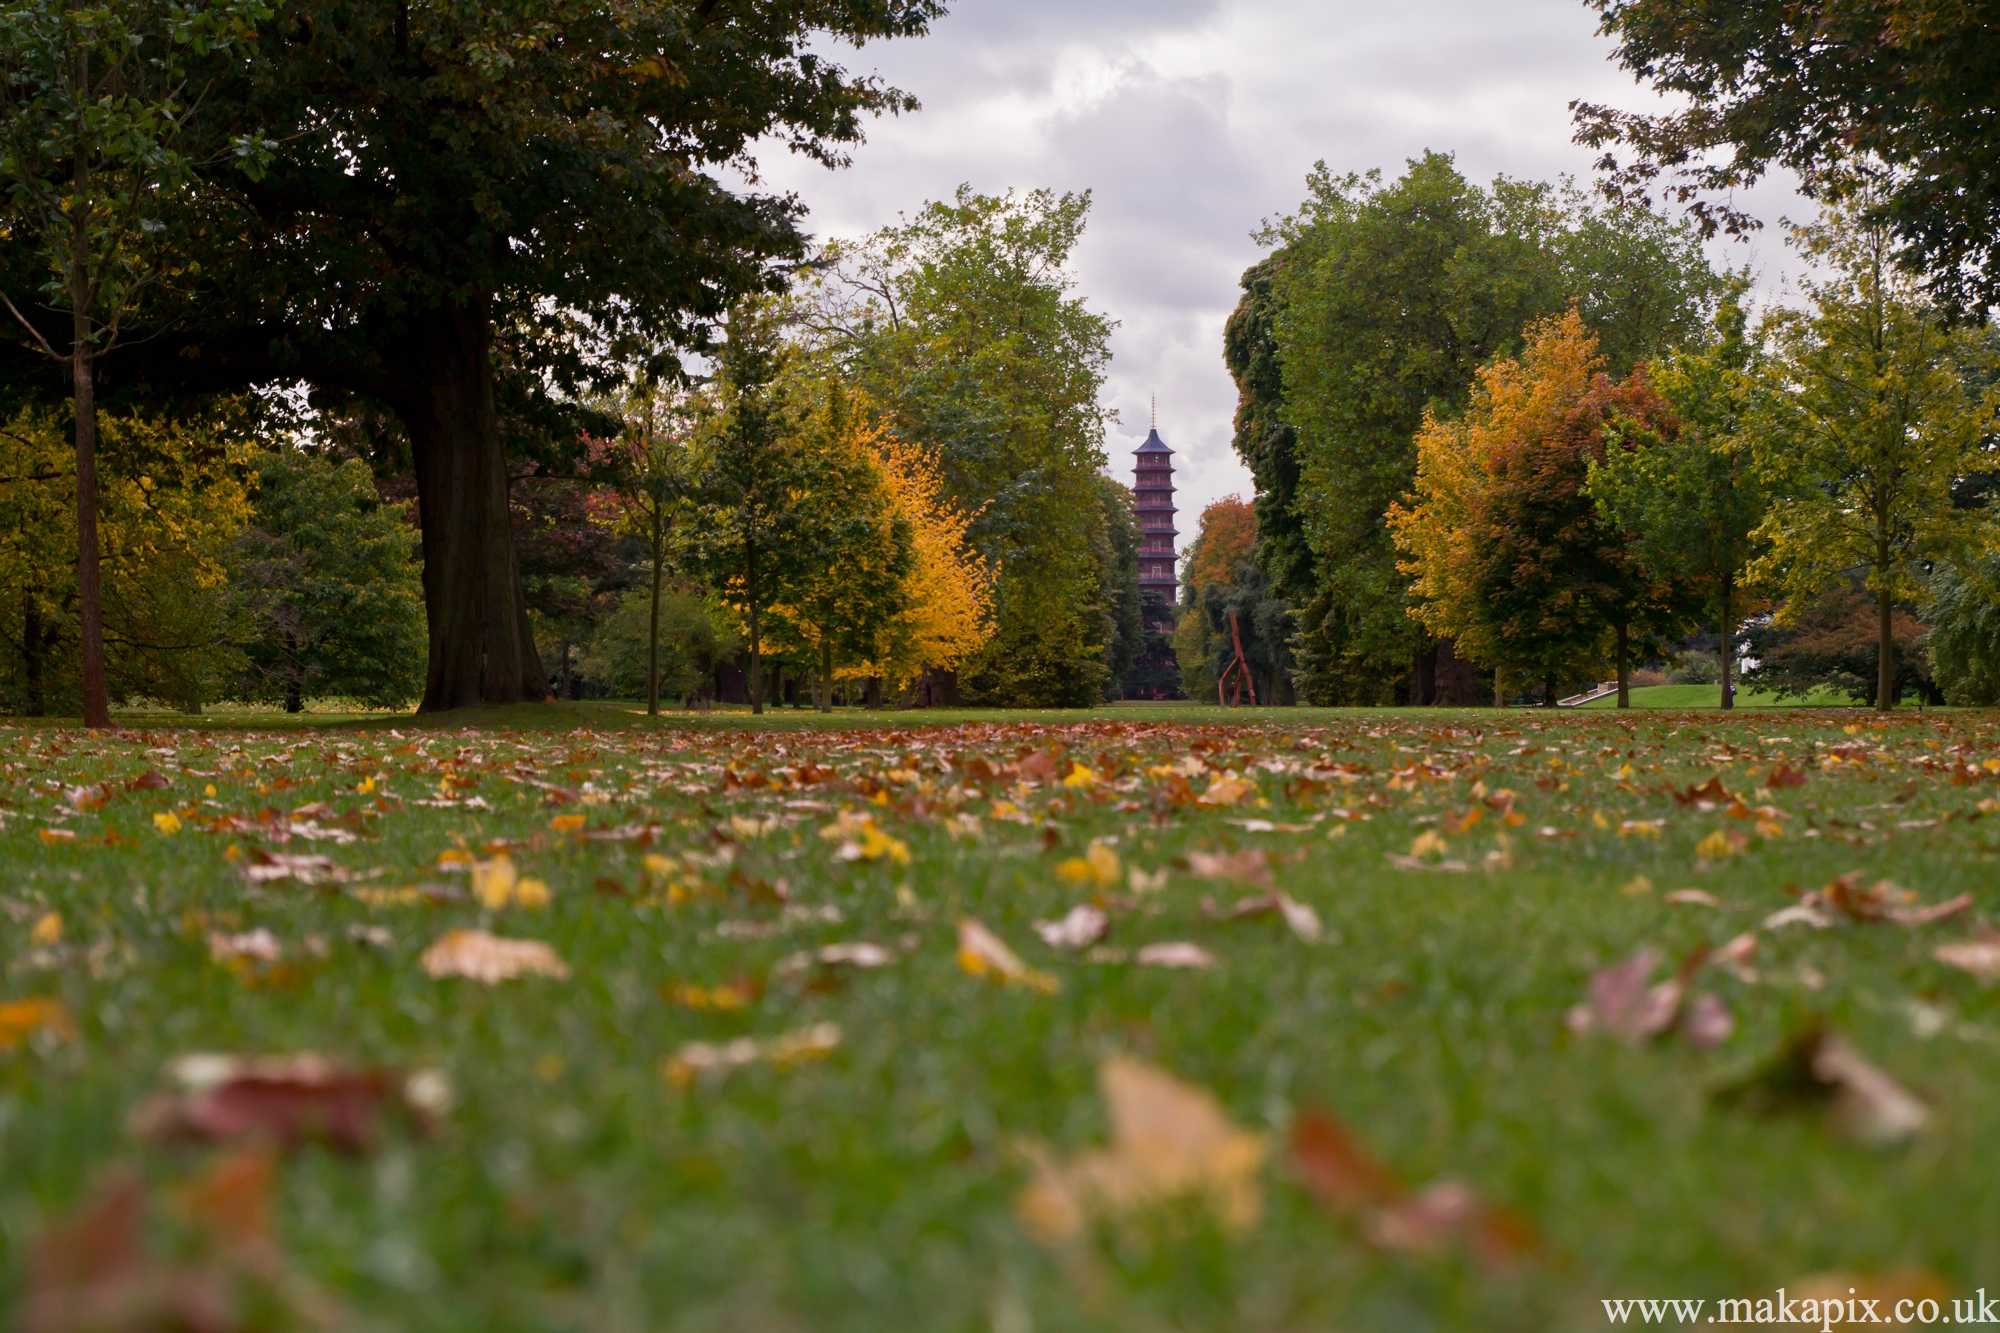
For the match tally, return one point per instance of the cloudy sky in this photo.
(1190, 121)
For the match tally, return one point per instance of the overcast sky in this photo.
(1190, 121)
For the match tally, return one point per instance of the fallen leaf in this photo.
(1081, 926)
(48, 930)
(21, 1019)
(288, 1099)
(1734, 957)
(566, 824)
(1250, 866)
(1711, 791)
(1174, 953)
(1169, 1140)
(984, 954)
(1098, 866)
(1819, 1066)
(1336, 1168)
(1980, 957)
(1622, 1003)
(489, 958)
(1784, 776)
(1302, 919)
(1707, 1020)
(700, 1058)
(259, 944)
(166, 821)
(1140, 881)
(1693, 897)
(1227, 789)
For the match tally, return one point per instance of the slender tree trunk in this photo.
(481, 648)
(825, 673)
(1499, 687)
(1624, 666)
(89, 585)
(1549, 693)
(756, 640)
(34, 701)
(1885, 676)
(1726, 632)
(874, 693)
(653, 628)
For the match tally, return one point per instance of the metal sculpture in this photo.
(1236, 676)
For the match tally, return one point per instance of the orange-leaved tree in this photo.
(1509, 552)
(1227, 534)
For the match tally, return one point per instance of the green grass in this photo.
(1709, 696)
(574, 1186)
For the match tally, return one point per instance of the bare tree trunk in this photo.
(89, 585)
(1624, 666)
(825, 674)
(1726, 632)
(1549, 693)
(1885, 678)
(874, 694)
(481, 648)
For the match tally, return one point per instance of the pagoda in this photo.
(1153, 505)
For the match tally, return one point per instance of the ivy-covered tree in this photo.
(332, 585)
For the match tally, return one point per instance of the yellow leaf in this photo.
(984, 954)
(1169, 1140)
(209, 790)
(1715, 847)
(48, 930)
(23, 1018)
(480, 956)
(365, 787)
(531, 893)
(1427, 843)
(566, 824)
(1226, 789)
(1079, 776)
(1098, 866)
(166, 821)
(493, 882)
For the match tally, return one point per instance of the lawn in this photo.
(1387, 1095)
(1708, 696)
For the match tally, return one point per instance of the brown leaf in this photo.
(1250, 866)
(1623, 1005)
(1169, 1140)
(1302, 919)
(1712, 791)
(150, 780)
(1818, 1066)
(21, 1019)
(1783, 776)
(287, 1099)
(481, 956)
(1336, 1168)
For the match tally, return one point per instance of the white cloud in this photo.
(1191, 121)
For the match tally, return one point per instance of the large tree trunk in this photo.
(481, 649)
(1885, 674)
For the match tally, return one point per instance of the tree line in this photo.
(500, 258)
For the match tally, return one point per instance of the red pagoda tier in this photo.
(1153, 504)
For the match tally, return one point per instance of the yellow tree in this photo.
(948, 592)
(1228, 533)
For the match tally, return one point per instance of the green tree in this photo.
(1264, 440)
(670, 643)
(330, 577)
(1867, 423)
(99, 107)
(963, 325)
(1964, 642)
(1691, 498)
(1389, 299)
(478, 211)
(1118, 577)
(657, 473)
(1912, 84)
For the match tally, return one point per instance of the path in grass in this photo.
(1316, 1043)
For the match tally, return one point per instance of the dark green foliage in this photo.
(1833, 641)
(1909, 84)
(329, 578)
(1118, 577)
(1965, 633)
(1264, 440)
(1264, 624)
(694, 636)
(1388, 298)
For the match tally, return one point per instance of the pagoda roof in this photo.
(1153, 445)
